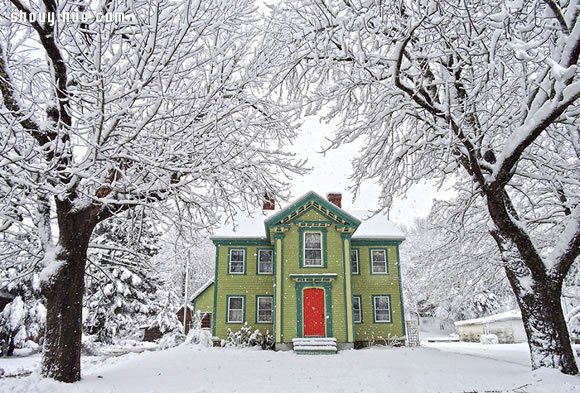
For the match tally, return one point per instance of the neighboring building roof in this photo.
(504, 316)
(253, 226)
(201, 290)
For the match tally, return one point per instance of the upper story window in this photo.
(379, 261)
(265, 261)
(354, 261)
(312, 249)
(237, 263)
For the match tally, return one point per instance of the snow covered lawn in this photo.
(195, 369)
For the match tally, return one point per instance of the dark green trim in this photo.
(386, 261)
(390, 309)
(300, 286)
(361, 242)
(357, 260)
(228, 297)
(401, 294)
(245, 260)
(257, 309)
(261, 241)
(215, 289)
(258, 261)
(359, 297)
(301, 233)
(315, 198)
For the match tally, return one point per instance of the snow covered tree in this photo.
(486, 91)
(19, 322)
(121, 281)
(452, 270)
(164, 107)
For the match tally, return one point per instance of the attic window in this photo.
(312, 249)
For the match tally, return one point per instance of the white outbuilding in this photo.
(507, 326)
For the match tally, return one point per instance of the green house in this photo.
(308, 272)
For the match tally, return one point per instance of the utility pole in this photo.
(185, 302)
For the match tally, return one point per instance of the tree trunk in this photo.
(544, 322)
(64, 292)
(537, 291)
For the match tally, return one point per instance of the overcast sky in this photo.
(331, 173)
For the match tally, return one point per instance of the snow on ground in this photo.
(194, 369)
(511, 353)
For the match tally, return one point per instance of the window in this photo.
(356, 309)
(237, 261)
(206, 320)
(264, 309)
(379, 261)
(382, 306)
(265, 261)
(354, 261)
(312, 249)
(235, 309)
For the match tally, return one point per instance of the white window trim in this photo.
(258, 309)
(266, 273)
(304, 249)
(376, 320)
(357, 261)
(373, 262)
(359, 309)
(230, 261)
(229, 309)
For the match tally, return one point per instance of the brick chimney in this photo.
(335, 198)
(269, 202)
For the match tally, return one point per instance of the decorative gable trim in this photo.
(312, 200)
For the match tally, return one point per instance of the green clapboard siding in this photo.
(204, 302)
(368, 285)
(249, 285)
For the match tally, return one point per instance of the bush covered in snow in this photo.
(171, 340)
(199, 337)
(389, 341)
(246, 337)
(20, 323)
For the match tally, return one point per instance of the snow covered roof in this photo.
(504, 316)
(375, 227)
(249, 226)
(201, 290)
(253, 225)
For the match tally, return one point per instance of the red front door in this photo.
(314, 319)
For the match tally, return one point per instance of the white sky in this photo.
(331, 174)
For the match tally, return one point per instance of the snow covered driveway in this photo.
(194, 369)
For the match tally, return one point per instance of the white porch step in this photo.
(314, 345)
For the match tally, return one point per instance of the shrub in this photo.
(246, 337)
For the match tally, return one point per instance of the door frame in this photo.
(326, 287)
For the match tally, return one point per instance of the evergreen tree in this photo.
(121, 283)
